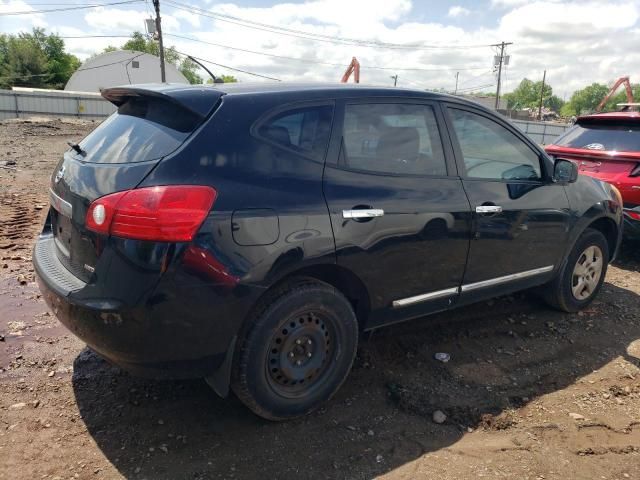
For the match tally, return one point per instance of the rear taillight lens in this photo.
(166, 214)
(633, 214)
(636, 171)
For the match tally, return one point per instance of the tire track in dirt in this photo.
(19, 221)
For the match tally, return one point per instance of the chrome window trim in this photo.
(404, 302)
(59, 204)
(507, 278)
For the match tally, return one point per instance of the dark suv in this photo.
(248, 233)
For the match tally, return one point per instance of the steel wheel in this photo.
(587, 272)
(299, 354)
(297, 351)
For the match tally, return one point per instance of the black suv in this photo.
(247, 234)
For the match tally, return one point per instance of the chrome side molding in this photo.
(425, 296)
(404, 302)
(507, 278)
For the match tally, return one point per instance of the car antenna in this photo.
(215, 79)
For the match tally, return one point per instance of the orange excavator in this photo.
(627, 87)
(353, 68)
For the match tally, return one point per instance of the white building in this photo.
(120, 67)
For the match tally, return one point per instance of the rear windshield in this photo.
(143, 128)
(618, 137)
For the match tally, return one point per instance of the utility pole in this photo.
(456, 90)
(156, 4)
(501, 45)
(395, 79)
(544, 77)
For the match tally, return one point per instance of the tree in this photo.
(35, 60)
(224, 78)
(527, 95)
(554, 103)
(189, 70)
(585, 100)
(139, 43)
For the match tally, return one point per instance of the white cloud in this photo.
(458, 11)
(577, 42)
(191, 18)
(105, 19)
(508, 3)
(17, 23)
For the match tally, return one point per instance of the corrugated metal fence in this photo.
(541, 132)
(32, 103)
(24, 102)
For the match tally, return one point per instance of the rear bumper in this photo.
(169, 331)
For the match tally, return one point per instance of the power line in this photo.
(477, 87)
(93, 36)
(228, 67)
(112, 63)
(309, 35)
(77, 7)
(28, 76)
(302, 60)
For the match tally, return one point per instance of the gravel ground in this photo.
(529, 393)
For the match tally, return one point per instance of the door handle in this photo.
(363, 213)
(488, 209)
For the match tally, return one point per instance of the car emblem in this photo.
(594, 146)
(59, 175)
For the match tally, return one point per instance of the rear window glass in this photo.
(142, 129)
(305, 130)
(618, 137)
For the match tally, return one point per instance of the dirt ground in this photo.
(529, 393)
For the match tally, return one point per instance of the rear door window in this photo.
(392, 138)
(304, 129)
(607, 137)
(143, 128)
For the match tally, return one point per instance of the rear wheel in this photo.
(582, 275)
(297, 351)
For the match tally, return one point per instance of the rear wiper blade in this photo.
(77, 148)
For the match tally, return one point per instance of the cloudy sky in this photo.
(576, 42)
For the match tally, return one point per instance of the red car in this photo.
(607, 146)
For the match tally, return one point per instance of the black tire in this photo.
(559, 292)
(297, 350)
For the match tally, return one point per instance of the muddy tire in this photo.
(297, 350)
(581, 276)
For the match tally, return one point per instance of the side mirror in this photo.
(565, 171)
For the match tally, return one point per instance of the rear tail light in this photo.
(636, 171)
(166, 214)
(633, 214)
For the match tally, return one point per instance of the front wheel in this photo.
(297, 351)
(582, 275)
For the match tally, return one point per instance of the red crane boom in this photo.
(353, 68)
(627, 87)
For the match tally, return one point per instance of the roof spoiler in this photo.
(199, 101)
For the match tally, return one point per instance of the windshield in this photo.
(143, 128)
(607, 137)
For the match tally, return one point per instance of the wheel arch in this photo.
(610, 230)
(342, 279)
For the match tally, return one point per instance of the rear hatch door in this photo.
(150, 123)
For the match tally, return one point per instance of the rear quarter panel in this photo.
(250, 175)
